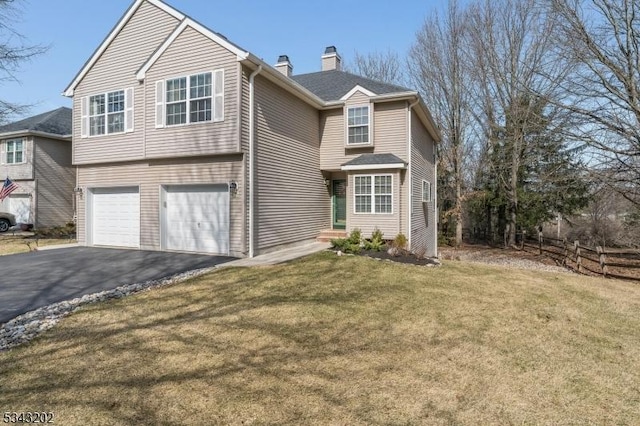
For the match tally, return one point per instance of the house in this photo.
(184, 141)
(36, 154)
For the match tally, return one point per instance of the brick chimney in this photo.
(331, 60)
(284, 66)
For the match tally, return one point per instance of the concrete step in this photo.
(329, 234)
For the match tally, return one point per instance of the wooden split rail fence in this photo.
(622, 263)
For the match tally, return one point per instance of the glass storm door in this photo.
(339, 193)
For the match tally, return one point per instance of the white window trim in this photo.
(128, 113)
(373, 194)
(3, 152)
(162, 103)
(369, 107)
(429, 197)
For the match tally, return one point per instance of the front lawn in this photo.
(13, 244)
(343, 340)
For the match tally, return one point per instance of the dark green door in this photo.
(339, 193)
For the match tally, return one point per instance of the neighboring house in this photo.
(184, 141)
(35, 153)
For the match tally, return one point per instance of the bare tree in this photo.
(512, 44)
(382, 66)
(14, 51)
(602, 40)
(438, 68)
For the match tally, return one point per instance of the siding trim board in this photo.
(377, 166)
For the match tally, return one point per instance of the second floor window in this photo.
(106, 113)
(191, 99)
(358, 125)
(14, 151)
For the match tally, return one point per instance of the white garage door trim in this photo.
(195, 218)
(113, 217)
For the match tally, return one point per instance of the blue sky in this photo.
(268, 28)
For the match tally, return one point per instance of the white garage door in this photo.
(20, 206)
(115, 217)
(196, 218)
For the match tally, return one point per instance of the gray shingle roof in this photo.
(57, 122)
(333, 85)
(374, 160)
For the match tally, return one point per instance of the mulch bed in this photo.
(403, 257)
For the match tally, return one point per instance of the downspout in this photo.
(252, 159)
(409, 177)
(435, 199)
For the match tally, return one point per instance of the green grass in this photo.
(343, 340)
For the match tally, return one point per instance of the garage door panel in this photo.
(116, 217)
(20, 207)
(197, 218)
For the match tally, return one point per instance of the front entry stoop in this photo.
(329, 234)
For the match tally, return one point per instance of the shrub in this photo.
(400, 241)
(351, 244)
(377, 242)
(339, 243)
(355, 237)
(66, 231)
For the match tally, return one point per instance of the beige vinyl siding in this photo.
(423, 216)
(292, 201)
(389, 224)
(358, 98)
(389, 130)
(149, 176)
(55, 179)
(193, 53)
(19, 171)
(332, 151)
(115, 70)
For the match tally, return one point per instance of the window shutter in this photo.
(128, 110)
(218, 95)
(3, 152)
(84, 117)
(159, 104)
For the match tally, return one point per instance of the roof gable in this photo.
(190, 23)
(113, 34)
(356, 89)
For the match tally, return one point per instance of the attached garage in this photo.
(114, 217)
(20, 206)
(195, 218)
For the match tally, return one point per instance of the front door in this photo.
(339, 194)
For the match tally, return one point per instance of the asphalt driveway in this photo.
(32, 280)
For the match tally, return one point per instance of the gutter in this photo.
(17, 133)
(252, 159)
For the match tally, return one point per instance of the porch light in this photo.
(233, 187)
(327, 182)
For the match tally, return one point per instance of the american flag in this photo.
(8, 187)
